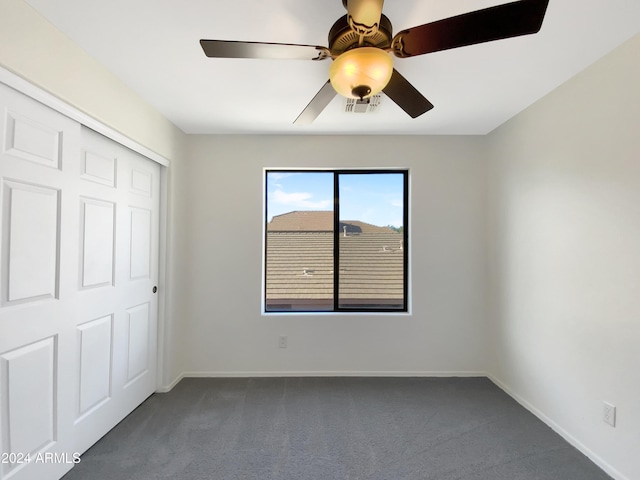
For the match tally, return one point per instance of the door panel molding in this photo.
(30, 262)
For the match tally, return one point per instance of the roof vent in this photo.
(368, 105)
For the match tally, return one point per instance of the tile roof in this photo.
(300, 264)
(318, 221)
(302, 221)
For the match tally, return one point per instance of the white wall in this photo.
(222, 236)
(565, 256)
(35, 50)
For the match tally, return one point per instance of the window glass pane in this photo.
(371, 241)
(299, 241)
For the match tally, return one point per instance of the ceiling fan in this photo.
(360, 43)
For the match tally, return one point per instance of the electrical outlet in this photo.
(282, 341)
(609, 414)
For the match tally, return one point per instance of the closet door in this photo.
(38, 270)
(79, 227)
(116, 322)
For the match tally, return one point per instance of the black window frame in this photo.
(336, 240)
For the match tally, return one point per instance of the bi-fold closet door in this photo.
(79, 226)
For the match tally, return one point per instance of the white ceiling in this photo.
(152, 46)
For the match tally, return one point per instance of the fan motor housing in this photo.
(343, 38)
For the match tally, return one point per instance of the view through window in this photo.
(336, 240)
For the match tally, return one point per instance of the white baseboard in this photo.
(168, 388)
(341, 373)
(330, 373)
(561, 431)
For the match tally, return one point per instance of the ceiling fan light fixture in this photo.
(361, 72)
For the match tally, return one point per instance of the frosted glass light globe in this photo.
(361, 72)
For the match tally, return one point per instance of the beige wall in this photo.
(565, 257)
(222, 237)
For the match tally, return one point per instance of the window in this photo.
(336, 241)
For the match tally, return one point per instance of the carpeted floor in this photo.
(333, 429)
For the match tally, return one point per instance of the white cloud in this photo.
(299, 200)
(397, 203)
(281, 175)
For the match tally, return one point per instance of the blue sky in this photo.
(372, 198)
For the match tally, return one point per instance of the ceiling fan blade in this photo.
(494, 23)
(364, 15)
(316, 105)
(287, 51)
(406, 96)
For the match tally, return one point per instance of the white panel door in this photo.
(79, 227)
(117, 307)
(38, 267)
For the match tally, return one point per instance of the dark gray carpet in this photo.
(333, 429)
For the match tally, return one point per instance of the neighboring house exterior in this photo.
(300, 265)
